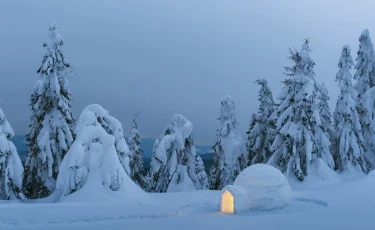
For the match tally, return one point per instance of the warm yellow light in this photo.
(227, 205)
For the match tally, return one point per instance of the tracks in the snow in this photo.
(313, 201)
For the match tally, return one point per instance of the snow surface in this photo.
(337, 205)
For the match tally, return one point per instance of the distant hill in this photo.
(147, 146)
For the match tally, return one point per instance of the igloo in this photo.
(264, 187)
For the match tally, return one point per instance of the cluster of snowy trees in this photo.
(63, 152)
(300, 129)
(290, 134)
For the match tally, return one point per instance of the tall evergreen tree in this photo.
(201, 173)
(11, 168)
(173, 162)
(349, 141)
(299, 139)
(326, 116)
(51, 128)
(325, 111)
(229, 150)
(365, 66)
(136, 161)
(262, 127)
(365, 75)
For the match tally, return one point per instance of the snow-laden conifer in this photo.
(365, 66)
(136, 161)
(51, 128)
(92, 167)
(229, 157)
(201, 173)
(299, 139)
(262, 127)
(11, 168)
(365, 75)
(113, 127)
(173, 161)
(349, 140)
(325, 111)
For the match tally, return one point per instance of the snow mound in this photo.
(186, 184)
(267, 187)
(91, 170)
(320, 175)
(371, 175)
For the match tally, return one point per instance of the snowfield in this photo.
(336, 205)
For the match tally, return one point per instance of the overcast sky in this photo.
(164, 57)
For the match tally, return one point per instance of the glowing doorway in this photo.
(227, 204)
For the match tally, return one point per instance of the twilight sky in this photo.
(164, 57)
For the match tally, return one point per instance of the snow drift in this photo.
(91, 170)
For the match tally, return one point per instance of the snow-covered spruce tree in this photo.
(349, 141)
(92, 168)
(299, 139)
(365, 66)
(136, 161)
(262, 127)
(173, 160)
(325, 111)
(365, 75)
(366, 108)
(229, 157)
(201, 173)
(11, 168)
(51, 128)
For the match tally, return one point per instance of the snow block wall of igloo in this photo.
(91, 170)
(267, 187)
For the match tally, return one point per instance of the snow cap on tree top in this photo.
(180, 125)
(54, 35)
(306, 46)
(345, 58)
(262, 82)
(322, 88)
(346, 48)
(5, 126)
(364, 35)
(228, 110)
